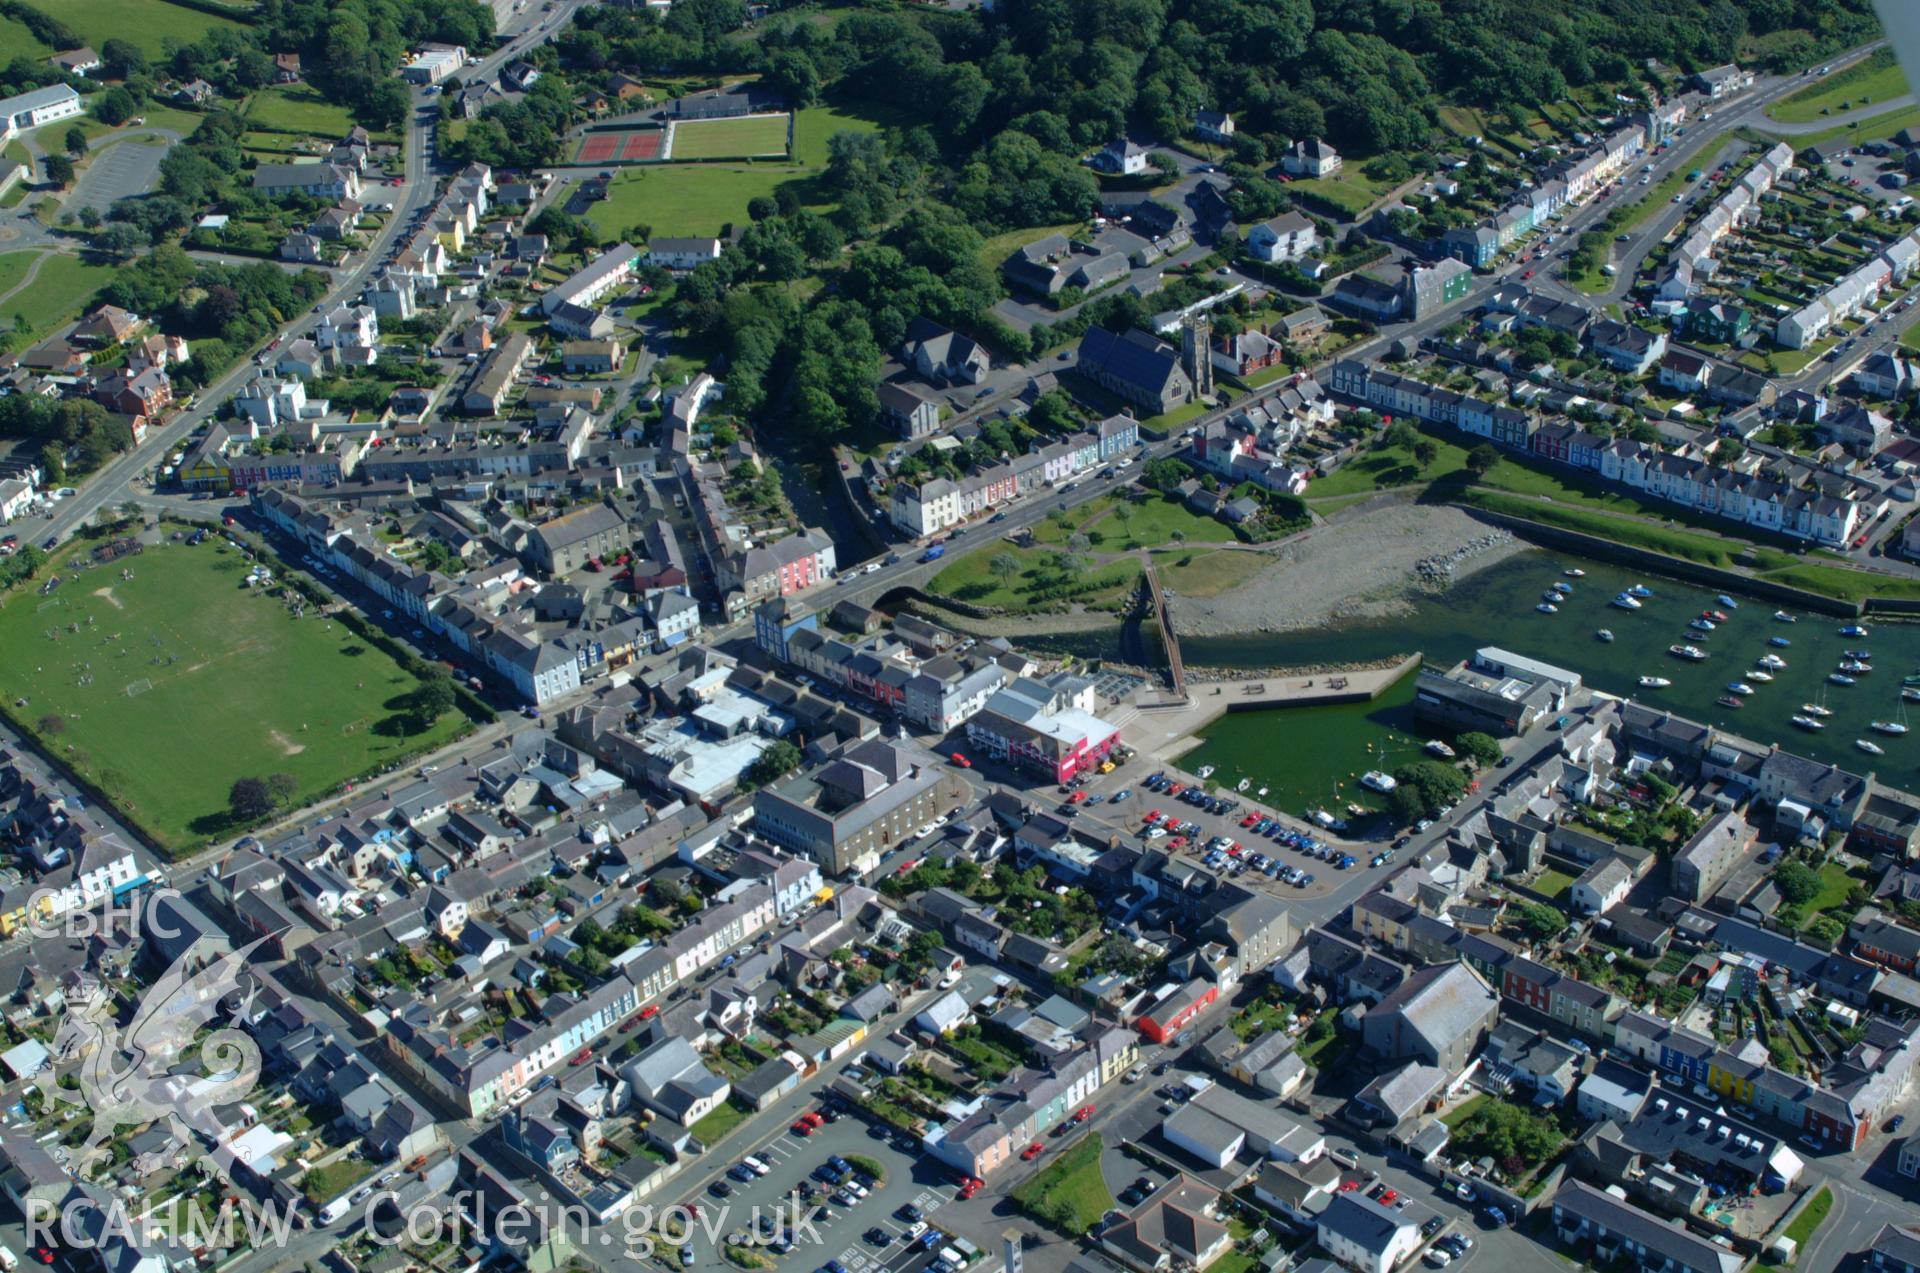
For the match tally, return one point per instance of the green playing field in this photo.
(746, 138)
(164, 687)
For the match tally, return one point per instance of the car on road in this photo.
(1032, 1151)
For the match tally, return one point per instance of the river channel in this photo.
(1314, 756)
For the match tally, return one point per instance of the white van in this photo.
(755, 1166)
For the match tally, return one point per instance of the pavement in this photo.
(122, 170)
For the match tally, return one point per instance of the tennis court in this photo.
(743, 137)
(620, 146)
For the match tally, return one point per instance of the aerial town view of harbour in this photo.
(1040, 636)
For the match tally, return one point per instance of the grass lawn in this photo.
(1167, 421)
(1349, 189)
(180, 121)
(1590, 281)
(753, 136)
(60, 291)
(1038, 584)
(1327, 1053)
(1788, 362)
(221, 678)
(20, 42)
(722, 1119)
(1386, 467)
(14, 267)
(1463, 1111)
(295, 108)
(1208, 574)
(1811, 1217)
(688, 199)
(145, 23)
(814, 126)
(1551, 883)
(1873, 79)
(1876, 128)
(1070, 1194)
(1835, 884)
(1121, 524)
(325, 1183)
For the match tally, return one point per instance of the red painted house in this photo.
(1176, 1010)
(1888, 944)
(1527, 982)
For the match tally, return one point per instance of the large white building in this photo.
(37, 109)
(604, 273)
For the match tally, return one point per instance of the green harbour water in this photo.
(1315, 755)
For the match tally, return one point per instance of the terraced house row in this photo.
(1034, 1101)
(479, 1077)
(1761, 502)
(929, 507)
(1847, 1103)
(1688, 480)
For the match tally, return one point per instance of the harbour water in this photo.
(1314, 756)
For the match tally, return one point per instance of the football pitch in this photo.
(161, 679)
(748, 137)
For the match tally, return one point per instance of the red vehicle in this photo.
(44, 1254)
(1032, 1151)
(649, 1012)
(1250, 819)
(1078, 797)
(1153, 816)
(1528, 274)
(1176, 788)
(1860, 542)
(962, 761)
(803, 1128)
(1233, 850)
(907, 867)
(582, 1057)
(973, 1186)
(1082, 1114)
(813, 1118)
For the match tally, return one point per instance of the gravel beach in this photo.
(1365, 566)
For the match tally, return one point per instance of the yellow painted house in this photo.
(21, 903)
(1732, 1077)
